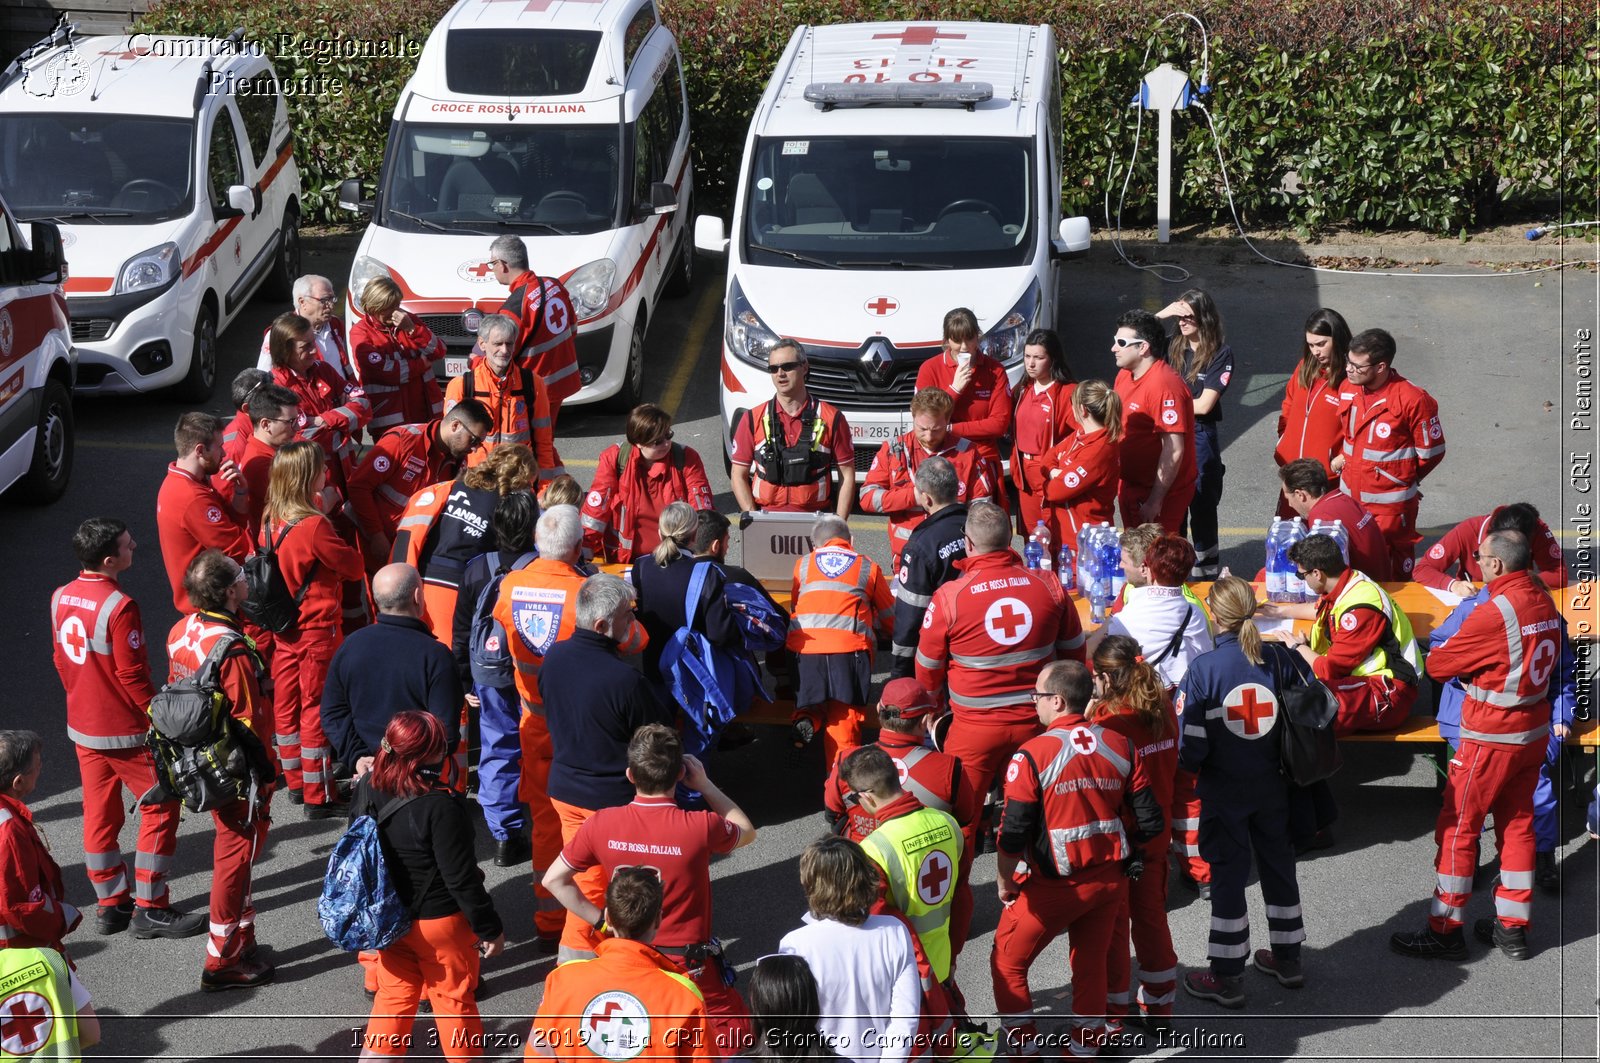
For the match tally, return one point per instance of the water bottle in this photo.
(1034, 551)
(1335, 531)
(1119, 578)
(1295, 589)
(1277, 584)
(1041, 532)
(1110, 549)
(1086, 539)
(1065, 568)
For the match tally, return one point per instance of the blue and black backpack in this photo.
(360, 908)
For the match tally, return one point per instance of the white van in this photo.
(168, 164)
(563, 122)
(37, 361)
(893, 172)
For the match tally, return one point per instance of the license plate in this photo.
(455, 365)
(873, 433)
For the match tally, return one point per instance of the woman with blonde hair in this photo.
(1131, 699)
(394, 354)
(1231, 704)
(1200, 355)
(315, 563)
(1082, 473)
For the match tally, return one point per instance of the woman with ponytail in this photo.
(427, 840)
(1131, 699)
(1230, 706)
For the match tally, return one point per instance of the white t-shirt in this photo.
(867, 981)
(1151, 617)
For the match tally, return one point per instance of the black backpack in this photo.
(1307, 745)
(270, 605)
(205, 757)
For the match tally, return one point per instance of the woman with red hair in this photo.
(427, 843)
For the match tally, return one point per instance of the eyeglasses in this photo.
(1123, 341)
(281, 420)
(851, 799)
(493, 262)
(662, 441)
(1299, 575)
(1481, 557)
(1186, 317)
(784, 367)
(1035, 695)
(324, 300)
(1356, 367)
(477, 440)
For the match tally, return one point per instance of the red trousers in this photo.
(1487, 778)
(1371, 703)
(1085, 907)
(1174, 507)
(1143, 919)
(727, 1016)
(299, 669)
(984, 749)
(105, 772)
(578, 939)
(237, 846)
(840, 724)
(438, 957)
(1398, 523)
(1185, 816)
(548, 915)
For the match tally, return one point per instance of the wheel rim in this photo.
(54, 427)
(687, 266)
(291, 248)
(205, 350)
(636, 362)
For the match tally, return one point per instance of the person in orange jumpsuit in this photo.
(515, 396)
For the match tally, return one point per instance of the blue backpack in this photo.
(765, 628)
(487, 649)
(711, 684)
(359, 908)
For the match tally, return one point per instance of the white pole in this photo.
(1164, 178)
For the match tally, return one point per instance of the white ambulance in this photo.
(37, 361)
(893, 172)
(563, 122)
(167, 163)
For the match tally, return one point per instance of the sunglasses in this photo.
(1123, 341)
(784, 367)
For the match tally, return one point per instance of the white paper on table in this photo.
(1450, 600)
(1274, 626)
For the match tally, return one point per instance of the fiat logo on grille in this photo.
(877, 363)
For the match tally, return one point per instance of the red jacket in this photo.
(990, 632)
(933, 778)
(343, 407)
(1157, 757)
(191, 517)
(1086, 491)
(191, 641)
(34, 913)
(983, 412)
(549, 328)
(1391, 440)
(620, 510)
(313, 539)
(1308, 422)
(396, 370)
(404, 460)
(255, 466)
(1453, 557)
(104, 664)
(889, 487)
(239, 431)
(1503, 654)
(1042, 421)
(1369, 552)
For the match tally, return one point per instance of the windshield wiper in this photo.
(898, 264)
(798, 257)
(519, 223)
(425, 223)
(93, 215)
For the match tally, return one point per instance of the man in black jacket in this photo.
(928, 560)
(393, 665)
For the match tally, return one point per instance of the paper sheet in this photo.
(1270, 627)
(1450, 600)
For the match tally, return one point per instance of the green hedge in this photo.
(1438, 116)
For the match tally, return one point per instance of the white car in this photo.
(36, 362)
(168, 164)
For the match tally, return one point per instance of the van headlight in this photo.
(155, 268)
(590, 287)
(362, 270)
(747, 336)
(1005, 341)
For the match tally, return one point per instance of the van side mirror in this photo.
(243, 199)
(350, 196)
(1073, 238)
(710, 235)
(663, 199)
(48, 258)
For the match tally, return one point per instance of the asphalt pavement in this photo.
(1496, 350)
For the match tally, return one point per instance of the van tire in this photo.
(681, 281)
(201, 381)
(286, 263)
(632, 391)
(51, 468)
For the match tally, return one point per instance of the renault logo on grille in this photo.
(876, 362)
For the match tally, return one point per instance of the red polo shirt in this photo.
(191, 517)
(1155, 405)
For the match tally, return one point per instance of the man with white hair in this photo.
(314, 300)
(515, 395)
(547, 321)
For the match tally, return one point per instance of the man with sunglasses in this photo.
(785, 452)
(1158, 458)
(314, 300)
(1392, 440)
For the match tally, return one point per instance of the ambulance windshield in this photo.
(117, 169)
(902, 202)
(487, 178)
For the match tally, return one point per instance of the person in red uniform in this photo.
(1081, 476)
(679, 845)
(977, 383)
(215, 583)
(394, 354)
(1078, 852)
(1044, 421)
(104, 663)
(1158, 460)
(635, 481)
(1451, 564)
(785, 451)
(190, 515)
(890, 487)
(34, 913)
(404, 460)
(841, 605)
(1307, 494)
(274, 414)
(237, 432)
(1503, 653)
(314, 300)
(985, 638)
(1391, 440)
(1131, 699)
(1308, 423)
(314, 561)
(546, 318)
(515, 396)
(332, 410)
